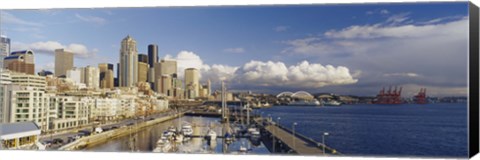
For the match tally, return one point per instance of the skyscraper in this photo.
(4, 48)
(20, 61)
(164, 67)
(192, 85)
(91, 77)
(63, 62)
(152, 54)
(128, 63)
(106, 75)
(143, 58)
(142, 72)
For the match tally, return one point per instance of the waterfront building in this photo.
(152, 59)
(91, 77)
(192, 78)
(71, 112)
(63, 62)
(35, 82)
(4, 48)
(106, 75)
(142, 71)
(128, 72)
(20, 61)
(28, 104)
(5, 96)
(20, 135)
(105, 109)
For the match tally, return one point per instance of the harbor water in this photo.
(146, 139)
(431, 130)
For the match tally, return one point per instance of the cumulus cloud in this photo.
(396, 51)
(234, 50)
(91, 19)
(265, 74)
(188, 59)
(301, 75)
(281, 28)
(48, 47)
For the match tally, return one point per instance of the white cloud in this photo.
(91, 19)
(425, 54)
(302, 75)
(8, 18)
(48, 67)
(281, 28)
(234, 50)
(408, 74)
(188, 59)
(48, 47)
(258, 73)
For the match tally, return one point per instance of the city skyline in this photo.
(271, 52)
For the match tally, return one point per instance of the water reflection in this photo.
(145, 140)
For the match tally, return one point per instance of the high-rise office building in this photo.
(63, 62)
(192, 84)
(142, 72)
(143, 58)
(164, 67)
(152, 54)
(20, 61)
(4, 48)
(128, 63)
(91, 77)
(106, 75)
(152, 59)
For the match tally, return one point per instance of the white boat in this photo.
(242, 149)
(211, 135)
(163, 145)
(305, 103)
(187, 130)
(332, 103)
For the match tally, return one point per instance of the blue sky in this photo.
(349, 49)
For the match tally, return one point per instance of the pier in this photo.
(277, 138)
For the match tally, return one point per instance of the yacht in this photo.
(163, 145)
(187, 131)
(211, 135)
(332, 103)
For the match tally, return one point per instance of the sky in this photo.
(343, 49)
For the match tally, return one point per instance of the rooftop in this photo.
(12, 128)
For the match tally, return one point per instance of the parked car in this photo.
(86, 132)
(114, 127)
(57, 141)
(98, 130)
(71, 139)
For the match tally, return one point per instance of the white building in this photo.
(128, 63)
(71, 112)
(105, 109)
(35, 82)
(28, 104)
(91, 77)
(21, 135)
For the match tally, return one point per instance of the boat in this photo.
(178, 138)
(305, 103)
(266, 105)
(242, 149)
(187, 131)
(163, 145)
(211, 135)
(332, 103)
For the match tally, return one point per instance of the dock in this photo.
(277, 138)
(285, 141)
